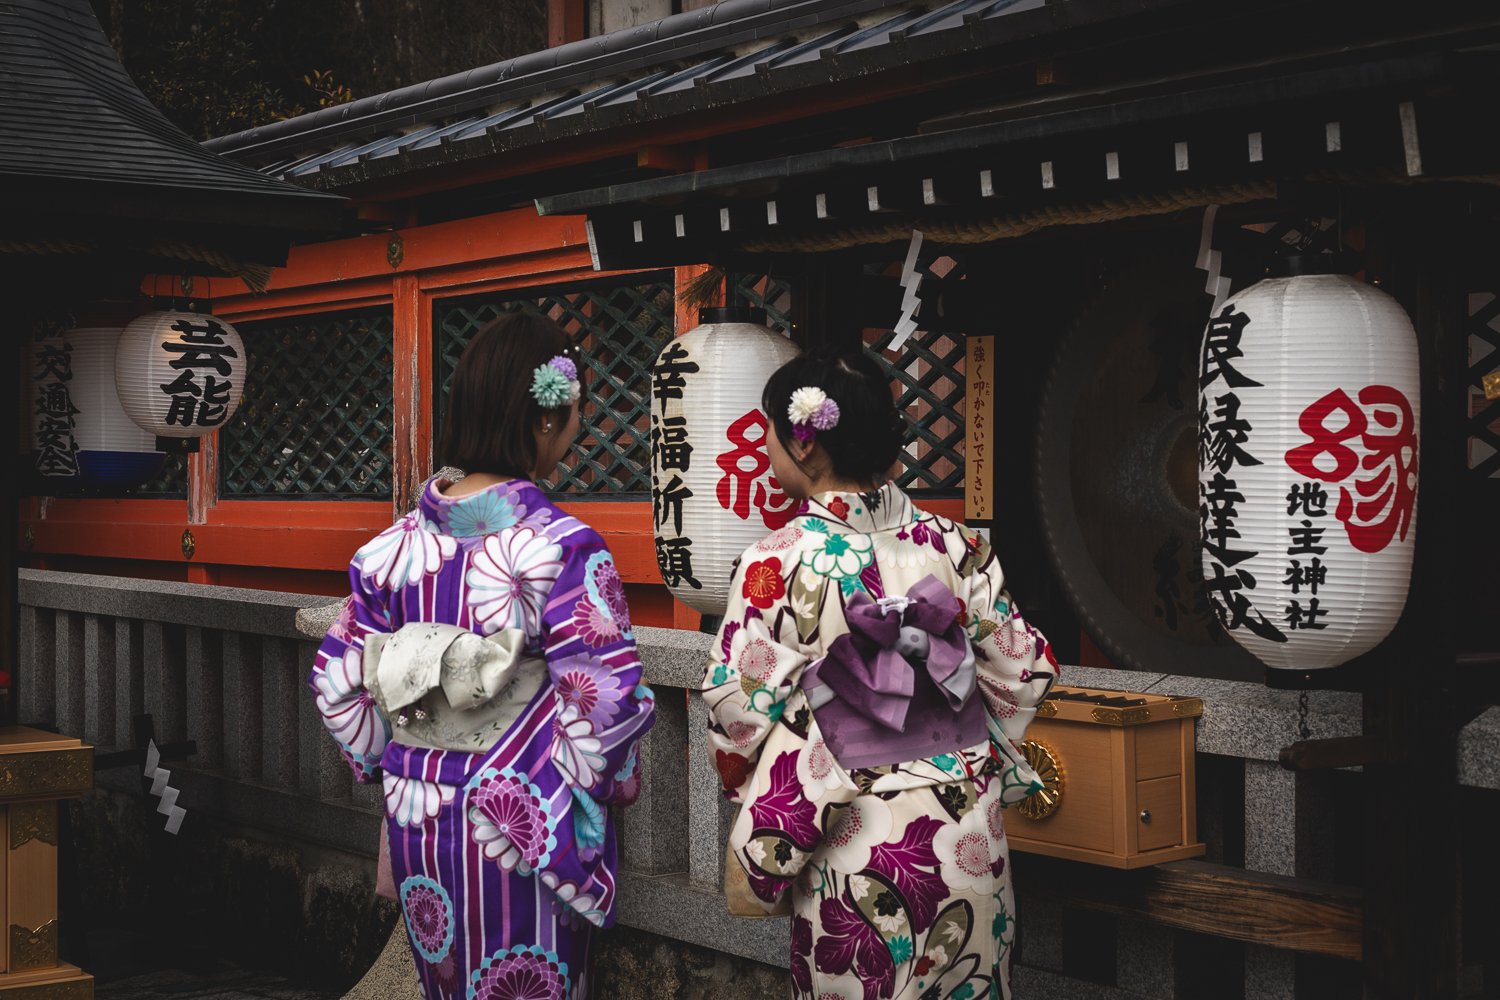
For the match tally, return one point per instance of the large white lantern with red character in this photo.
(712, 491)
(1308, 417)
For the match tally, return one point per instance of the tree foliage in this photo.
(219, 66)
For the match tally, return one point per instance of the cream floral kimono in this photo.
(897, 870)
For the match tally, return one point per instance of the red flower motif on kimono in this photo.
(839, 508)
(733, 769)
(763, 583)
(849, 942)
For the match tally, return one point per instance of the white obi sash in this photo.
(444, 687)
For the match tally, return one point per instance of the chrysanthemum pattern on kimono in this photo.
(898, 873)
(503, 853)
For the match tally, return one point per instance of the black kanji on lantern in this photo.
(203, 403)
(1309, 577)
(1233, 607)
(670, 448)
(1309, 497)
(56, 448)
(667, 501)
(202, 352)
(1306, 539)
(1221, 347)
(1221, 440)
(1299, 618)
(202, 346)
(1216, 514)
(674, 557)
(667, 379)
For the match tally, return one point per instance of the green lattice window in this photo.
(316, 418)
(763, 291)
(171, 481)
(619, 325)
(929, 374)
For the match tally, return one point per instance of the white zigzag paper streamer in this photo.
(1212, 261)
(159, 777)
(911, 280)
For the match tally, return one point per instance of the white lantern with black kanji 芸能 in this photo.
(712, 491)
(1308, 415)
(180, 374)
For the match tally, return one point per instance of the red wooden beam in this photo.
(566, 22)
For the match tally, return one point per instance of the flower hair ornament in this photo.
(811, 411)
(555, 383)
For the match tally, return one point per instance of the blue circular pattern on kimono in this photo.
(525, 972)
(588, 824)
(429, 917)
(607, 591)
(509, 817)
(482, 513)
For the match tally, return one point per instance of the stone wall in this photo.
(275, 861)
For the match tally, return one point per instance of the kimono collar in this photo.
(878, 510)
(484, 512)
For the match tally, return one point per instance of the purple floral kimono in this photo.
(871, 680)
(502, 850)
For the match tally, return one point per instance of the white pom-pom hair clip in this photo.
(811, 411)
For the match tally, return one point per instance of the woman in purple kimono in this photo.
(866, 694)
(486, 674)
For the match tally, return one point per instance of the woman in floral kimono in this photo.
(866, 694)
(486, 673)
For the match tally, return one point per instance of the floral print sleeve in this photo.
(603, 709)
(337, 680)
(1015, 663)
(750, 675)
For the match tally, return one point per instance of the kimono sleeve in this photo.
(337, 681)
(602, 707)
(1015, 664)
(750, 675)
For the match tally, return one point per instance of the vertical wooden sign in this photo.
(979, 421)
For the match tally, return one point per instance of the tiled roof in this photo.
(76, 134)
(711, 58)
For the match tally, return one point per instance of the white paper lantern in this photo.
(180, 374)
(1307, 467)
(712, 490)
(112, 450)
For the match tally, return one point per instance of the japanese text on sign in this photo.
(56, 448)
(1222, 436)
(203, 388)
(979, 417)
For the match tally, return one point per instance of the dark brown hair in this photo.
(868, 438)
(490, 413)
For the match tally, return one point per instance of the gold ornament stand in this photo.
(38, 770)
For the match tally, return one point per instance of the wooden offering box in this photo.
(37, 771)
(1118, 767)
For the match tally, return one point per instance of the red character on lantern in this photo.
(747, 481)
(1384, 494)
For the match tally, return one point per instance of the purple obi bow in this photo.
(900, 684)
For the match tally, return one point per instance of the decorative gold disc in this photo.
(1045, 802)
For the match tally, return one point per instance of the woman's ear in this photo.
(801, 450)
